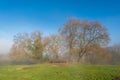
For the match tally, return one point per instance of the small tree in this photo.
(36, 46)
(27, 46)
(55, 48)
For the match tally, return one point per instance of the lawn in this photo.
(59, 72)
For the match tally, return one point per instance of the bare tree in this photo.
(69, 33)
(81, 35)
(55, 48)
(18, 49)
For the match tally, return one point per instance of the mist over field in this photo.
(5, 46)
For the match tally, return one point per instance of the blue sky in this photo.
(48, 15)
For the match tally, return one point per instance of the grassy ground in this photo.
(59, 72)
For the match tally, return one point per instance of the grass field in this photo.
(59, 72)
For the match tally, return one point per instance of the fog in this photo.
(5, 46)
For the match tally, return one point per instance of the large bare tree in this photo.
(82, 35)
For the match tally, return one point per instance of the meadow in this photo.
(59, 72)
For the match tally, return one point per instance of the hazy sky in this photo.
(48, 15)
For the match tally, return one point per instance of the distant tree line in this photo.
(115, 54)
(77, 41)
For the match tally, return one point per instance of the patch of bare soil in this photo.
(26, 68)
(117, 78)
(23, 68)
(60, 64)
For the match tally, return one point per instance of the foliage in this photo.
(76, 42)
(27, 46)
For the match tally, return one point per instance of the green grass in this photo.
(56, 72)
